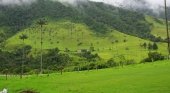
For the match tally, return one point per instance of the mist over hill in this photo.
(150, 7)
(98, 16)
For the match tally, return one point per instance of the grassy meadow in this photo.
(141, 78)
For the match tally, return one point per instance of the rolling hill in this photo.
(75, 36)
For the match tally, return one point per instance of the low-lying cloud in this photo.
(72, 2)
(18, 2)
(152, 4)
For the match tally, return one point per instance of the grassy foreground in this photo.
(142, 78)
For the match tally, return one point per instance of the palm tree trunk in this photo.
(168, 37)
(22, 64)
(6, 76)
(61, 71)
(41, 70)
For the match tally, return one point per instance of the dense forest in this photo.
(98, 16)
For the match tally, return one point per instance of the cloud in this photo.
(150, 3)
(72, 2)
(153, 4)
(8, 2)
(68, 1)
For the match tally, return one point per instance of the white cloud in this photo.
(6, 2)
(152, 3)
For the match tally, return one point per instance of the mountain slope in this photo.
(158, 27)
(87, 25)
(97, 16)
(65, 34)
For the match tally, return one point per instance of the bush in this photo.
(130, 62)
(92, 66)
(153, 56)
(111, 63)
(146, 60)
(101, 66)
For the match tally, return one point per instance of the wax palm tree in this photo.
(168, 37)
(23, 37)
(41, 23)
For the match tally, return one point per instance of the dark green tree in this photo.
(155, 46)
(23, 37)
(56, 61)
(145, 45)
(150, 46)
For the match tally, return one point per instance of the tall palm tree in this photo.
(168, 37)
(23, 37)
(41, 23)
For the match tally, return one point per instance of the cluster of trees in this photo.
(21, 61)
(13, 62)
(150, 46)
(122, 61)
(153, 56)
(89, 56)
(113, 62)
(2, 37)
(56, 61)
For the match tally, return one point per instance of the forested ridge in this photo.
(98, 16)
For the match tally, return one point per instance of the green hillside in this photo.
(158, 27)
(87, 25)
(97, 16)
(76, 36)
(142, 78)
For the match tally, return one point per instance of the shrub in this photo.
(130, 62)
(79, 44)
(153, 56)
(92, 66)
(101, 66)
(91, 49)
(111, 63)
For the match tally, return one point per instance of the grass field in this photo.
(158, 27)
(141, 78)
(65, 34)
